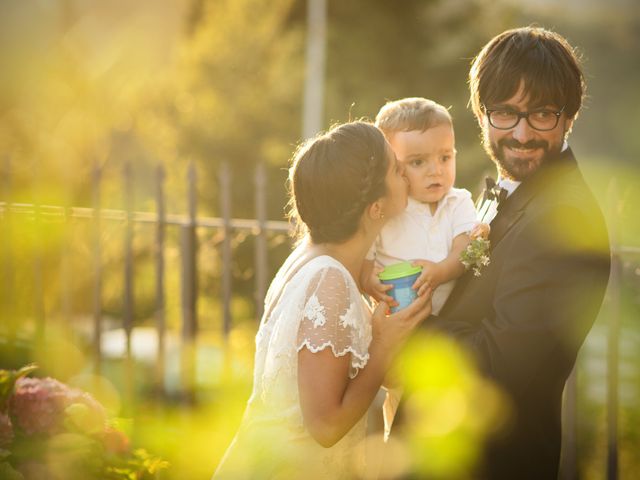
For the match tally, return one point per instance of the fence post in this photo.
(189, 290)
(65, 278)
(128, 258)
(225, 201)
(38, 289)
(613, 340)
(7, 305)
(261, 239)
(160, 302)
(97, 269)
(128, 310)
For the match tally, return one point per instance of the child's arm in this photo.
(434, 274)
(372, 285)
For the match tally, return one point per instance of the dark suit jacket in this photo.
(528, 313)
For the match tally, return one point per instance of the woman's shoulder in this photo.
(326, 269)
(322, 270)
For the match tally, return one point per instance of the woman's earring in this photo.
(381, 216)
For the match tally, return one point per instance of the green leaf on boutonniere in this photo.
(476, 255)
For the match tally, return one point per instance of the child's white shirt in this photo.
(416, 234)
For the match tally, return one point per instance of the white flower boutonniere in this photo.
(476, 255)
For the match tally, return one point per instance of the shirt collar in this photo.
(414, 205)
(508, 184)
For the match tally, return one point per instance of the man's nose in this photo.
(523, 132)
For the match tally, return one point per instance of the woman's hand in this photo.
(391, 331)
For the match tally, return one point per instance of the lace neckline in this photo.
(334, 261)
(293, 277)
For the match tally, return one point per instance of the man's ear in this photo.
(568, 125)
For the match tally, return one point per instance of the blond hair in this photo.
(414, 113)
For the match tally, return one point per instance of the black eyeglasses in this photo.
(505, 119)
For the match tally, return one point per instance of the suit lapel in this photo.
(502, 223)
(510, 211)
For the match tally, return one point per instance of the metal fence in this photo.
(259, 227)
(161, 220)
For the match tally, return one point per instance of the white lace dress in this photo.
(318, 307)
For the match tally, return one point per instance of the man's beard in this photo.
(519, 168)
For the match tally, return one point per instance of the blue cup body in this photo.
(402, 291)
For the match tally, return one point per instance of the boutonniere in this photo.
(476, 255)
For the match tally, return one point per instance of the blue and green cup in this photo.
(402, 276)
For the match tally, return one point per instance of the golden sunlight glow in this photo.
(451, 407)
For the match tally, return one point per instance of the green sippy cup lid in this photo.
(398, 270)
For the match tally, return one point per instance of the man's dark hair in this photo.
(543, 60)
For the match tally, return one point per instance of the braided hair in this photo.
(333, 178)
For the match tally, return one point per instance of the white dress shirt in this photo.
(416, 234)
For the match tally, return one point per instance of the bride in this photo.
(321, 354)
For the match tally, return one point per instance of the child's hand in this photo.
(378, 290)
(430, 277)
(480, 231)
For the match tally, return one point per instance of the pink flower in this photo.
(38, 405)
(6, 430)
(115, 441)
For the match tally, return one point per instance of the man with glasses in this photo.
(526, 316)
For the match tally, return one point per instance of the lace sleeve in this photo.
(331, 317)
